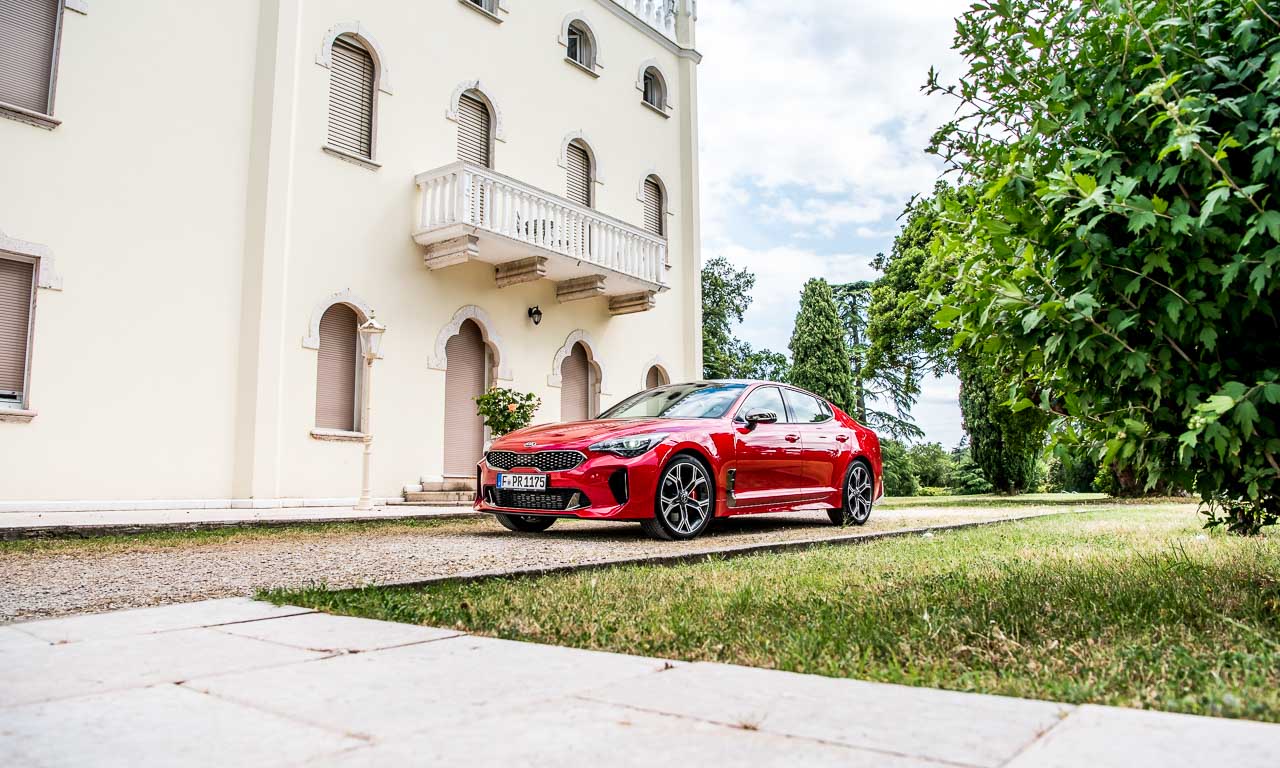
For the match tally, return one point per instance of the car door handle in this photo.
(842, 438)
(792, 438)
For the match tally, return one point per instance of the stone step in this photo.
(440, 498)
(452, 484)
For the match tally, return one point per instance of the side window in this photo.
(764, 399)
(29, 39)
(804, 408)
(352, 91)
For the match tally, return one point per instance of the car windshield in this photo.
(678, 401)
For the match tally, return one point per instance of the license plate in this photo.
(522, 481)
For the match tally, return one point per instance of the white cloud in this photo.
(812, 119)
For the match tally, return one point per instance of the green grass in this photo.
(1136, 607)
(1024, 500)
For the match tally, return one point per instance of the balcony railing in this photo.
(659, 14)
(463, 198)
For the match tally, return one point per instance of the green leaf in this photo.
(1087, 184)
(1031, 319)
(1246, 415)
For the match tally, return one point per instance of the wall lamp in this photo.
(535, 315)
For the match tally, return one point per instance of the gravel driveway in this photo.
(62, 577)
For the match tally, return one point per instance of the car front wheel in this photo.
(685, 501)
(525, 523)
(858, 494)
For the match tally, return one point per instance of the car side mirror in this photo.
(761, 417)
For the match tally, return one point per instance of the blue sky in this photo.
(813, 130)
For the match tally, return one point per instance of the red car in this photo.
(673, 457)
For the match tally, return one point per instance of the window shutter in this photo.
(16, 278)
(464, 380)
(336, 370)
(351, 98)
(579, 174)
(473, 130)
(654, 378)
(575, 389)
(28, 43)
(653, 218)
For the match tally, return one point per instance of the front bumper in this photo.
(603, 487)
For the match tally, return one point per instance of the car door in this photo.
(822, 440)
(768, 458)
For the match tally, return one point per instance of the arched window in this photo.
(656, 377)
(467, 374)
(655, 206)
(485, 5)
(337, 369)
(580, 45)
(655, 89)
(579, 172)
(352, 85)
(29, 31)
(579, 385)
(475, 129)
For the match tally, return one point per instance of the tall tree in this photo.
(1003, 443)
(726, 295)
(819, 355)
(1122, 246)
(873, 387)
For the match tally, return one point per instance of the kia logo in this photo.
(530, 444)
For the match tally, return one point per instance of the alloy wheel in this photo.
(858, 494)
(684, 497)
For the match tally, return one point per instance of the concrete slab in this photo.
(919, 722)
(61, 671)
(565, 732)
(401, 690)
(160, 726)
(1112, 737)
(166, 618)
(336, 634)
(12, 639)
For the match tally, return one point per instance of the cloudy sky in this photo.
(813, 131)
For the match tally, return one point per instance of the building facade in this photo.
(203, 201)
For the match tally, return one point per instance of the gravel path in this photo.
(66, 577)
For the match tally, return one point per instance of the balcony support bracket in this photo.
(580, 288)
(631, 302)
(450, 252)
(522, 271)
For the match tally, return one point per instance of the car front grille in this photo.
(543, 461)
(553, 500)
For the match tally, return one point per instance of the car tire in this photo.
(857, 495)
(525, 523)
(684, 501)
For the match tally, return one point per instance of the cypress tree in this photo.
(819, 355)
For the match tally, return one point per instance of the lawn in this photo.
(1135, 607)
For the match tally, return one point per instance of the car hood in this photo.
(581, 434)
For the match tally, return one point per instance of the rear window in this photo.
(805, 409)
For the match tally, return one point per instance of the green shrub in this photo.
(506, 410)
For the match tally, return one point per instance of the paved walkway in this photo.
(238, 682)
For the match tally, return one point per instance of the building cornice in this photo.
(653, 34)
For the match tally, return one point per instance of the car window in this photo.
(764, 399)
(678, 401)
(805, 409)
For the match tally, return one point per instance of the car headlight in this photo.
(629, 446)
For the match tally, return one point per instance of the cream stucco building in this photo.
(202, 201)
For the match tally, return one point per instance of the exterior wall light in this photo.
(370, 341)
(535, 315)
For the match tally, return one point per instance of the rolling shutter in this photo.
(336, 370)
(464, 379)
(579, 174)
(575, 390)
(653, 208)
(351, 98)
(473, 130)
(16, 278)
(28, 42)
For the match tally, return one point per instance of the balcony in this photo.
(470, 213)
(659, 14)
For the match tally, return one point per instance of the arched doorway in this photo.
(579, 385)
(466, 376)
(656, 377)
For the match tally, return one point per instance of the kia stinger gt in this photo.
(674, 457)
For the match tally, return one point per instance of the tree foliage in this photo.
(1123, 246)
(1005, 444)
(819, 355)
(932, 463)
(726, 295)
(897, 470)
